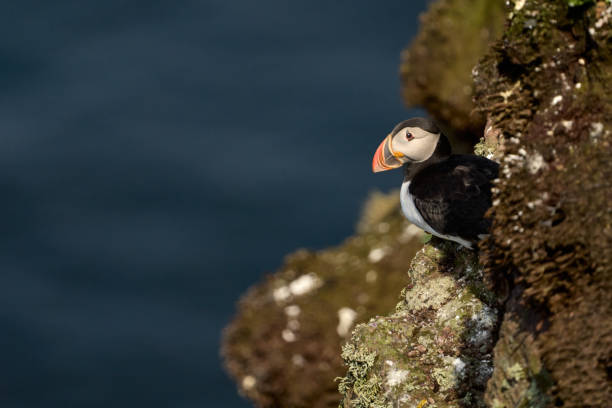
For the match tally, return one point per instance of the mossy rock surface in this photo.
(283, 346)
(546, 89)
(435, 350)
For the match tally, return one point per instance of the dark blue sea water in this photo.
(159, 157)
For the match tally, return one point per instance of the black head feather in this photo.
(426, 124)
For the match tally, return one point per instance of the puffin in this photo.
(445, 194)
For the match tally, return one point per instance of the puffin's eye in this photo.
(409, 136)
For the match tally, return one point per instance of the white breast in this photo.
(415, 217)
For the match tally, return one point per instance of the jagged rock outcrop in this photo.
(436, 70)
(283, 346)
(436, 348)
(546, 89)
(527, 325)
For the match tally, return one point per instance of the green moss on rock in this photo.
(436, 346)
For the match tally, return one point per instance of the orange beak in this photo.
(384, 158)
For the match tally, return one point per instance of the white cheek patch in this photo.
(418, 149)
(421, 149)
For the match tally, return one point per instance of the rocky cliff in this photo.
(523, 322)
(544, 89)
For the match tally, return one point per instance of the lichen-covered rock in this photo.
(283, 347)
(436, 68)
(435, 350)
(547, 89)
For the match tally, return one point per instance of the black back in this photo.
(453, 195)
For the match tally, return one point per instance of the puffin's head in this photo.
(411, 141)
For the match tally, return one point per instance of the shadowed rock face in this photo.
(436, 70)
(546, 89)
(283, 346)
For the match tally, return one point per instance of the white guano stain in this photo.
(304, 284)
(292, 311)
(377, 254)
(346, 318)
(248, 382)
(288, 336)
(519, 5)
(396, 377)
(281, 294)
(535, 162)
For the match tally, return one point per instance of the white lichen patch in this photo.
(519, 5)
(511, 158)
(604, 18)
(377, 254)
(292, 311)
(346, 318)
(506, 171)
(596, 131)
(533, 204)
(395, 377)
(557, 99)
(304, 284)
(459, 366)
(289, 336)
(281, 294)
(298, 287)
(248, 382)
(433, 293)
(535, 162)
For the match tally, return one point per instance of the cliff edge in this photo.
(525, 321)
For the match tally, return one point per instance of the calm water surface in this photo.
(158, 157)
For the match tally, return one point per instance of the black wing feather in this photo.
(453, 196)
